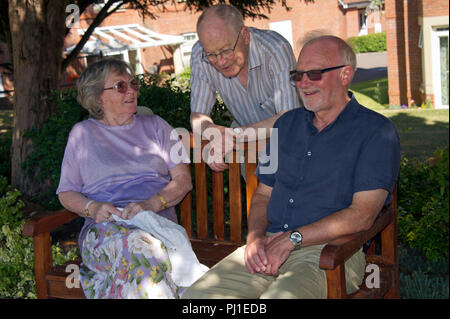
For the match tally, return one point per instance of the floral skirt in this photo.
(125, 262)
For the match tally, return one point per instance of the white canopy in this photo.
(124, 37)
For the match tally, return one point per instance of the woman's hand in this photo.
(102, 212)
(133, 209)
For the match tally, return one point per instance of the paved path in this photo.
(370, 66)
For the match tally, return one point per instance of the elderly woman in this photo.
(118, 163)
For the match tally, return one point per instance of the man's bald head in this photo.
(226, 14)
(345, 52)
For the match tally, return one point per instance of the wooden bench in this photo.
(213, 236)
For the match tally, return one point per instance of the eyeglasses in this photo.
(225, 54)
(122, 86)
(313, 75)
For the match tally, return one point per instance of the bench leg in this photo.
(42, 262)
(336, 283)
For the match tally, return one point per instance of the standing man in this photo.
(338, 166)
(250, 70)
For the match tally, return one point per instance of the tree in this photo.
(35, 32)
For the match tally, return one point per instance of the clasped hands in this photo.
(265, 254)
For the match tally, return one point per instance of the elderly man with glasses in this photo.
(248, 67)
(338, 164)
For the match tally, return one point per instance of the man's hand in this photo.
(255, 256)
(277, 249)
(222, 141)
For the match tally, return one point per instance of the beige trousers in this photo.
(299, 277)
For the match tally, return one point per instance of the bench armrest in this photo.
(45, 222)
(339, 250)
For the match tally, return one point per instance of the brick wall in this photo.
(433, 8)
(405, 74)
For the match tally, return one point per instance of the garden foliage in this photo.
(375, 42)
(16, 251)
(423, 204)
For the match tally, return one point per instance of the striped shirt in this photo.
(268, 89)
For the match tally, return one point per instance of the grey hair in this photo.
(91, 83)
(229, 14)
(346, 53)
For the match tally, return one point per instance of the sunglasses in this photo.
(122, 86)
(313, 75)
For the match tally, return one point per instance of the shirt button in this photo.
(291, 200)
(309, 153)
(286, 226)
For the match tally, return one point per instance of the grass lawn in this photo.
(421, 130)
(371, 94)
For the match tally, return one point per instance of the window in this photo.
(284, 28)
(189, 40)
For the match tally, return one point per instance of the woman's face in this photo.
(118, 107)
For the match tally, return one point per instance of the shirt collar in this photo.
(347, 113)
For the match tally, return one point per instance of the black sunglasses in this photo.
(122, 86)
(313, 75)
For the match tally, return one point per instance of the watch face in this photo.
(296, 238)
(237, 130)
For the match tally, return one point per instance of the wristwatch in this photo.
(237, 130)
(296, 239)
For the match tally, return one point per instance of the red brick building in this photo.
(417, 49)
(167, 40)
(344, 18)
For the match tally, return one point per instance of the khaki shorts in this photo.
(299, 277)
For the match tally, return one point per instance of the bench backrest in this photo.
(226, 210)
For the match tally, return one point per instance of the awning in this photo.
(124, 37)
(350, 4)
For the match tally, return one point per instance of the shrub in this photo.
(422, 278)
(16, 251)
(375, 42)
(423, 205)
(49, 142)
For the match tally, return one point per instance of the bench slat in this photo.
(235, 201)
(218, 210)
(201, 200)
(186, 214)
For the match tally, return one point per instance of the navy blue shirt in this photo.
(318, 173)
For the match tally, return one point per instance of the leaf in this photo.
(135, 260)
(145, 262)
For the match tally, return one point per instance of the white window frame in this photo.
(186, 46)
(436, 67)
(284, 28)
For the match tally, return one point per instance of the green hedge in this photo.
(375, 42)
(423, 205)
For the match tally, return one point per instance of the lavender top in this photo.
(120, 164)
